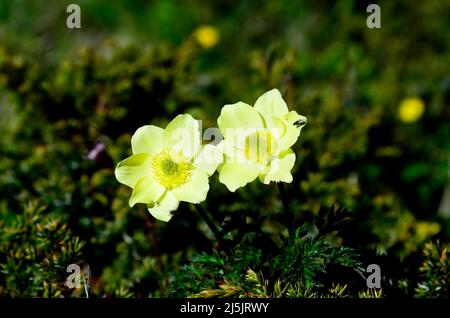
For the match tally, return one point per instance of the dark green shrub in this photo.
(35, 250)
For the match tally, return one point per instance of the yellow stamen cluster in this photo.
(259, 146)
(170, 169)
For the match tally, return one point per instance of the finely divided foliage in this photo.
(291, 212)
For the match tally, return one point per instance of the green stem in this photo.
(285, 201)
(208, 221)
(214, 229)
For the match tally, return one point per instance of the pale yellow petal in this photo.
(271, 104)
(237, 119)
(294, 124)
(182, 134)
(195, 190)
(132, 169)
(147, 190)
(208, 159)
(147, 139)
(163, 210)
(280, 168)
(233, 148)
(237, 175)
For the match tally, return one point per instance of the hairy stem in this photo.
(285, 201)
(208, 221)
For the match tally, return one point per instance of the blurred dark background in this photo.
(377, 141)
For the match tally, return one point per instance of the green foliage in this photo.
(69, 102)
(296, 265)
(371, 293)
(210, 271)
(435, 272)
(303, 258)
(35, 250)
(85, 104)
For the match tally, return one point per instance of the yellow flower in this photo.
(257, 141)
(168, 166)
(425, 230)
(207, 36)
(411, 109)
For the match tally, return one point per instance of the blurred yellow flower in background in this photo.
(207, 36)
(424, 230)
(411, 109)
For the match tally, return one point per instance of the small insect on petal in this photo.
(299, 123)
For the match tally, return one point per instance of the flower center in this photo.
(259, 146)
(171, 169)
